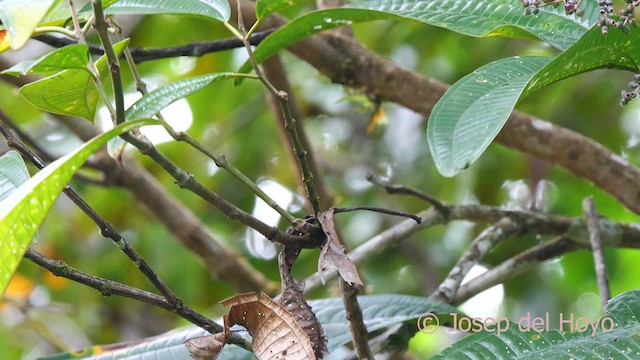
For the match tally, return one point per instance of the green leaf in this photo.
(21, 17)
(22, 212)
(158, 99)
(616, 336)
(264, 8)
(593, 51)
(211, 9)
(489, 18)
(70, 92)
(469, 17)
(69, 57)
(471, 113)
(460, 127)
(379, 311)
(13, 173)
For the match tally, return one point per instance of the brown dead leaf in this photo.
(206, 347)
(293, 300)
(275, 332)
(333, 255)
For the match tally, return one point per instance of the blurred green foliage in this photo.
(236, 121)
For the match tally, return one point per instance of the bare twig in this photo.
(108, 287)
(219, 160)
(380, 210)
(595, 240)
(503, 229)
(107, 230)
(515, 266)
(195, 49)
(114, 65)
(401, 189)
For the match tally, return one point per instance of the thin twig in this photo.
(401, 189)
(515, 266)
(183, 179)
(107, 230)
(380, 210)
(195, 49)
(187, 181)
(101, 28)
(503, 229)
(219, 160)
(595, 240)
(108, 287)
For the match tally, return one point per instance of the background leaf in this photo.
(74, 56)
(13, 173)
(24, 210)
(21, 17)
(212, 9)
(471, 113)
(153, 102)
(70, 92)
(264, 8)
(621, 342)
(379, 311)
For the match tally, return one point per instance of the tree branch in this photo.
(595, 240)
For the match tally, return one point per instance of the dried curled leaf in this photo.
(333, 255)
(275, 332)
(206, 347)
(293, 300)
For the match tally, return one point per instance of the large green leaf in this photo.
(593, 51)
(379, 311)
(22, 212)
(617, 336)
(471, 113)
(70, 92)
(74, 56)
(469, 17)
(490, 18)
(21, 17)
(212, 9)
(158, 99)
(265, 8)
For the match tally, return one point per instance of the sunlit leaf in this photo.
(471, 113)
(69, 57)
(615, 337)
(158, 99)
(24, 210)
(70, 92)
(212, 9)
(264, 8)
(21, 17)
